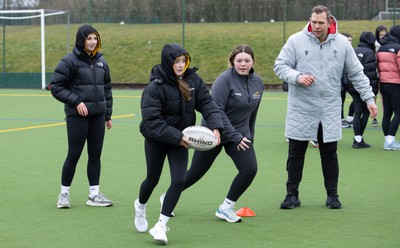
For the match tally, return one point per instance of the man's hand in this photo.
(373, 109)
(306, 79)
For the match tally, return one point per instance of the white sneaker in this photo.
(99, 200)
(159, 233)
(63, 201)
(394, 146)
(228, 215)
(162, 202)
(140, 218)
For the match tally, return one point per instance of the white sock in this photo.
(65, 189)
(349, 118)
(227, 204)
(389, 139)
(358, 138)
(141, 206)
(94, 190)
(163, 220)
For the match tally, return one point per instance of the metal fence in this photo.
(193, 11)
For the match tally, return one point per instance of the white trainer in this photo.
(99, 200)
(140, 218)
(63, 201)
(162, 202)
(228, 215)
(159, 233)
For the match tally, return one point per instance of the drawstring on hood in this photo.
(81, 35)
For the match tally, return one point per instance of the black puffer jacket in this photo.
(79, 77)
(365, 52)
(164, 113)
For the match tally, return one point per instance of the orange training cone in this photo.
(245, 212)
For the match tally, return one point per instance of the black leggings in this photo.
(80, 130)
(245, 162)
(351, 107)
(329, 162)
(155, 157)
(361, 114)
(391, 104)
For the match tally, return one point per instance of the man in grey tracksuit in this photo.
(312, 62)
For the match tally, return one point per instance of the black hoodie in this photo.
(80, 77)
(164, 113)
(365, 52)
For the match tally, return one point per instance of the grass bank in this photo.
(132, 50)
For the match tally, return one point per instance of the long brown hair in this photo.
(185, 90)
(183, 86)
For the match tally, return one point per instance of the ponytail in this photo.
(185, 90)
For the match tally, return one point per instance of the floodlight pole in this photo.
(284, 21)
(394, 11)
(183, 22)
(43, 49)
(90, 12)
(4, 39)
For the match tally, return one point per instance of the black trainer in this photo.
(291, 201)
(360, 144)
(332, 202)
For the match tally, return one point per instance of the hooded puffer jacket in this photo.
(80, 77)
(321, 102)
(164, 113)
(389, 57)
(365, 52)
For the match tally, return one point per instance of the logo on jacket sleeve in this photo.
(100, 64)
(256, 95)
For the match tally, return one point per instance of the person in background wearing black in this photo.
(380, 32)
(346, 122)
(82, 82)
(169, 103)
(365, 52)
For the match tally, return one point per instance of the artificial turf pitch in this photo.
(33, 147)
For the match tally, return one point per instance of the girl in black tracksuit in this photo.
(237, 92)
(168, 106)
(365, 51)
(82, 82)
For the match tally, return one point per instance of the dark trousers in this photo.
(295, 164)
(245, 162)
(155, 157)
(81, 130)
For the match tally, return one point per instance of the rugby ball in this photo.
(200, 138)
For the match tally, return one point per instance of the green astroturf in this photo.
(33, 147)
